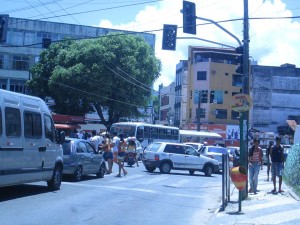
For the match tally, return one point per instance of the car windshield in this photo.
(153, 147)
(217, 150)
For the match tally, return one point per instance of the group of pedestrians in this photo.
(113, 150)
(275, 162)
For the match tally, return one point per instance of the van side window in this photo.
(0, 121)
(12, 122)
(32, 125)
(49, 127)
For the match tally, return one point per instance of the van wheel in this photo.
(78, 174)
(101, 171)
(165, 167)
(208, 170)
(191, 172)
(55, 182)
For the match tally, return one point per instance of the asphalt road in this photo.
(138, 198)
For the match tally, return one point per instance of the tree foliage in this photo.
(113, 74)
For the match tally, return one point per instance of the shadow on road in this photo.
(20, 191)
(199, 174)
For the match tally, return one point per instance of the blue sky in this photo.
(272, 42)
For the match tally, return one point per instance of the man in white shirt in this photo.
(96, 140)
(115, 144)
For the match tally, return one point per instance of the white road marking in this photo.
(134, 189)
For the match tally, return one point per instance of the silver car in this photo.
(81, 158)
(214, 152)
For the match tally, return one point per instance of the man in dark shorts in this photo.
(277, 157)
(107, 155)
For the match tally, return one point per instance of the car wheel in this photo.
(191, 172)
(150, 169)
(78, 174)
(165, 167)
(55, 182)
(208, 170)
(101, 171)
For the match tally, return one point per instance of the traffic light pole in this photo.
(244, 120)
(222, 28)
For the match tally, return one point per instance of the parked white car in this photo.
(174, 156)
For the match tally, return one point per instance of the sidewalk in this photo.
(261, 208)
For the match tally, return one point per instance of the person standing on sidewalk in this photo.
(255, 162)
(268, 159)
(277, 157)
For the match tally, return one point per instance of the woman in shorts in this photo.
(121, 154)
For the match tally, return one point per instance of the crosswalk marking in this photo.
(137, 190)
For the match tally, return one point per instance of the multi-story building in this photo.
(181, 93)
(212, 81)
(26, 39)
(276, 97)
(166, 104)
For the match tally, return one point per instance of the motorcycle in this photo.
(130, 158)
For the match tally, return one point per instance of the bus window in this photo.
(154, 132)
(169, 134)
(162, 132)
(140, 133)
(175, 134)
(147, 132)
(12, 122)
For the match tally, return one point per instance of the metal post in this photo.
(199, 108)
(245, 115)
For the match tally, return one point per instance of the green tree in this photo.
(113, 74)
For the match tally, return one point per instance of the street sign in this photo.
(241, 102)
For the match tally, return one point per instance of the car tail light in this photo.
(156, 157)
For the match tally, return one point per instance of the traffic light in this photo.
(239, 60)
(169, 37)
(189, 17)
(3, 27)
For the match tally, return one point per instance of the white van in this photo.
(29, 147)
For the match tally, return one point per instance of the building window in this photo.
(221, 113)
(217, 96)
(203, 96)
(201, 75)
(234, 115)
(20, 62)
(237, 80)
(164, 100)
(202, 113)
(1, 62)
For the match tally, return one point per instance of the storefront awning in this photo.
(66, 126)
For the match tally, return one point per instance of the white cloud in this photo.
(272, 42)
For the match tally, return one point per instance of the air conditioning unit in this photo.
(215, 112)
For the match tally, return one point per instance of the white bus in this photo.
(146, 133)
(199, 136)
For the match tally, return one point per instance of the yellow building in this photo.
(211, 71)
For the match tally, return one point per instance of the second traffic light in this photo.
(239, 60)
(169, 37)
(189, 17)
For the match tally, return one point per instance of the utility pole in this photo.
(244, 116)
(199, 110)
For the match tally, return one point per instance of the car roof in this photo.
(193, 143)
(169, 143)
